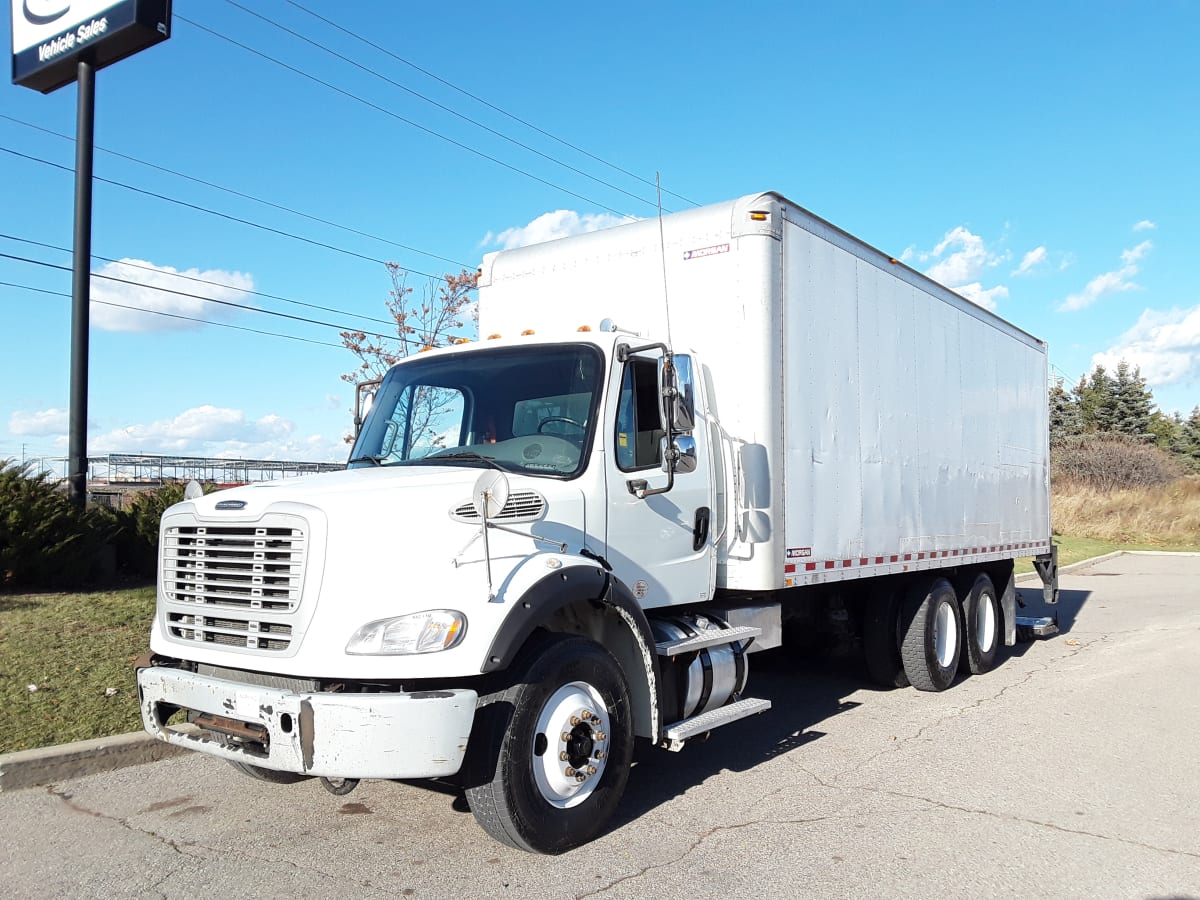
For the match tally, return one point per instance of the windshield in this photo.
(522, 409)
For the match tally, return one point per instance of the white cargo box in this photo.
(871, 421)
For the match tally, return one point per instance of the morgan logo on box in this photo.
(799, 552)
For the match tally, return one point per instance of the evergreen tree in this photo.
(1064, 414)
(1132, 403)
(1096, 400)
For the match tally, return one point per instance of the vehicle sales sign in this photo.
(50, 37)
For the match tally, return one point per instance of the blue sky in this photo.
(1040, 158)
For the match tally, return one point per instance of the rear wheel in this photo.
(550, 754)
(881, 638)
(981, 621)
(932, 634)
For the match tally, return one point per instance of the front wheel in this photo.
(550, 754)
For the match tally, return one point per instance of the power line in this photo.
(155, 312)
(486, 103)
(398, 117)
(432, 102)
(241, 194)
(132, 265)
(229, 303)
(213, 212)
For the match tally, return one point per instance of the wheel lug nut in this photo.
(569, 772)
(581, 778)
(599, 754)
(566, 736)
(601, 736)
(591, 770)
(574, 720)
(587, 714)
(564, 756)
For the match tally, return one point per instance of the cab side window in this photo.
(639, 424)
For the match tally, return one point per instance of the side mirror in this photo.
(364, 399)
(678, 390)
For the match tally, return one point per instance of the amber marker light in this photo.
(493, 337)
(758, 216)
(528, 331)
(584, 328)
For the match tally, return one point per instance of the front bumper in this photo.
(422, 734)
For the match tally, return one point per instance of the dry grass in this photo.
(1166, 516)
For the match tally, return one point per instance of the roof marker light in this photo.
(528, 331)
(493, 337)
(584, 328)
(758, 216)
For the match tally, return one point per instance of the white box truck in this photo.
(677, 442)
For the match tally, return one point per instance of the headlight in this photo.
(423, 632)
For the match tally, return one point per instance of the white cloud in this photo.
(1144, 225)
(977, 294)
(963, 267)
(1031, 260)
(1114, 282)
(230, 287)
(551, 226)
(1165, 345)
(46, 423)
(202, 431)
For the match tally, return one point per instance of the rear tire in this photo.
(881, 638)
(271, 775)
(981, 621)
(931, 622)
(531, 743)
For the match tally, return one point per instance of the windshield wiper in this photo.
(374, 460)
(463, 454)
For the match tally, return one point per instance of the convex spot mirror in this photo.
(683, 457)
(677, 388)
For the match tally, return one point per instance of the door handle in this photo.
(700, 529)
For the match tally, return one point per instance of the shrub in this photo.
(45, 540)
(1108, 462)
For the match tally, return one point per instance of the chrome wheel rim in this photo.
(570, 745)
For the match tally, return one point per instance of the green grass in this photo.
(76, 646)
(73, 647)
(1077, 549)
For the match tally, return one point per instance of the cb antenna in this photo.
(662, 246)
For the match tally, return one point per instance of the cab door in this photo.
(659, 545)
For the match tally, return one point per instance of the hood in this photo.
(376, 542)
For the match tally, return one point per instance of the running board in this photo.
(676, 734)
(1029, 627)
(709, 638)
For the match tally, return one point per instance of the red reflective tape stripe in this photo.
(864, 561)
(829, 564)
(878, 560)
(810, 567)
(789, 568)
(895, 559)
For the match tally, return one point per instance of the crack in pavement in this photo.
(959, 711)
(1025, 821)
(716, 829)
(69, 801)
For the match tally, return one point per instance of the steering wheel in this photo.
(582, 428)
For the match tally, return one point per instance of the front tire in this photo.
(932, 634)
(550, 754)
(270, 775)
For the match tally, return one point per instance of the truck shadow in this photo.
(804, 692)
(1067, 608)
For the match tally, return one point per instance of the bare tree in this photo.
(435, 319)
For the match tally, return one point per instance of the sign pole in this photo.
(80, 286)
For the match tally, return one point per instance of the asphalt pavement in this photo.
(1071, 770)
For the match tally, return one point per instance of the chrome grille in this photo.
(521, 506)
(234, 566)
(248, 634)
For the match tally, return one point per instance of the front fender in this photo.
(590, 584)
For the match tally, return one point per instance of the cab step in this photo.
(677, 734)
(1030, 627)
(709, 638)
